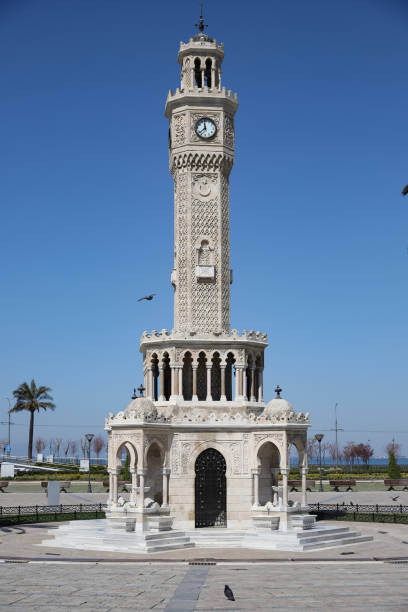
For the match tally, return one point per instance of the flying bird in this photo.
(228, 593)
(395, 498)
(405, 190)
(147, 297)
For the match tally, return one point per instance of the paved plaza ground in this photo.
(179, 588)
(367, 576)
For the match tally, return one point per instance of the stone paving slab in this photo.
(286, 586)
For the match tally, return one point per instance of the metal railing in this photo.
(392, 513)
(24, 514)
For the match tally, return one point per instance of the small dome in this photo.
(140, 408)
(278, 407)
(202, 37)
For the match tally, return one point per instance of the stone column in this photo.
(260, 385)
(304, 492)
(110, 496)
(223, 397)
(115, 487)
(166, 474)
(149, 386)
(202, 77)
(212, 76)
(252, 391)
(236, 394)
(195, 396)
(180, 382)
(241, 382)
(141, 472)
(161, 376)
(174, 382)
(209, 397)
(255, 479)
(133, 494)
(285, 472)
(245, 383)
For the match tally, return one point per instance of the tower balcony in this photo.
(204, 368)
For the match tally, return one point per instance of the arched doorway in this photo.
(210, 490)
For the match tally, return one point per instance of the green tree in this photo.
(393, 467)
(125, 474)
(32, 398)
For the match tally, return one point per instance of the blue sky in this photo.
(319, 229)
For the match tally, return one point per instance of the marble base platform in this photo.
(98, 535)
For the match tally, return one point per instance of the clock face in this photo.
(205, 128)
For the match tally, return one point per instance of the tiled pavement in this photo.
(287, 586)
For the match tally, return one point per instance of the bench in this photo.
(3, 485)
(126, 486)
(64, 485)
(396, 482)
(298, 483)
(342, 483)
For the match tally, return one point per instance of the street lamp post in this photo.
(319, 438)
(89, 438)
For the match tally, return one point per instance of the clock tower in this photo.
(202, 440)
(201, 148)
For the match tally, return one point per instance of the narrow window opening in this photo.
(197, 73)
(207, 73)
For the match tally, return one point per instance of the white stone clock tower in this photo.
(202, 440)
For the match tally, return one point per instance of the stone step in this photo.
(332, 536)
(336, 543)
(164, 534)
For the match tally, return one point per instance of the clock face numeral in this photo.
(205, 128)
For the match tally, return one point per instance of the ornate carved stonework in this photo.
(179, 129)
(229, 130)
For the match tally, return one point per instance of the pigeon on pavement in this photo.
(395, 498)
(228, 593)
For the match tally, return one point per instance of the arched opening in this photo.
(126, 456)
(197, 73)
(210, 489)
(187, 390)
(155, 373)
(154, 475)
(216, 378)
(167, 376)
(268, 464)
(207, 72)
(202, 377)
(216, 74)
(229, 376)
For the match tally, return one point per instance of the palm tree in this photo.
(32, 398)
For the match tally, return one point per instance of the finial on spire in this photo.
(278, 392)
(201, 25)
